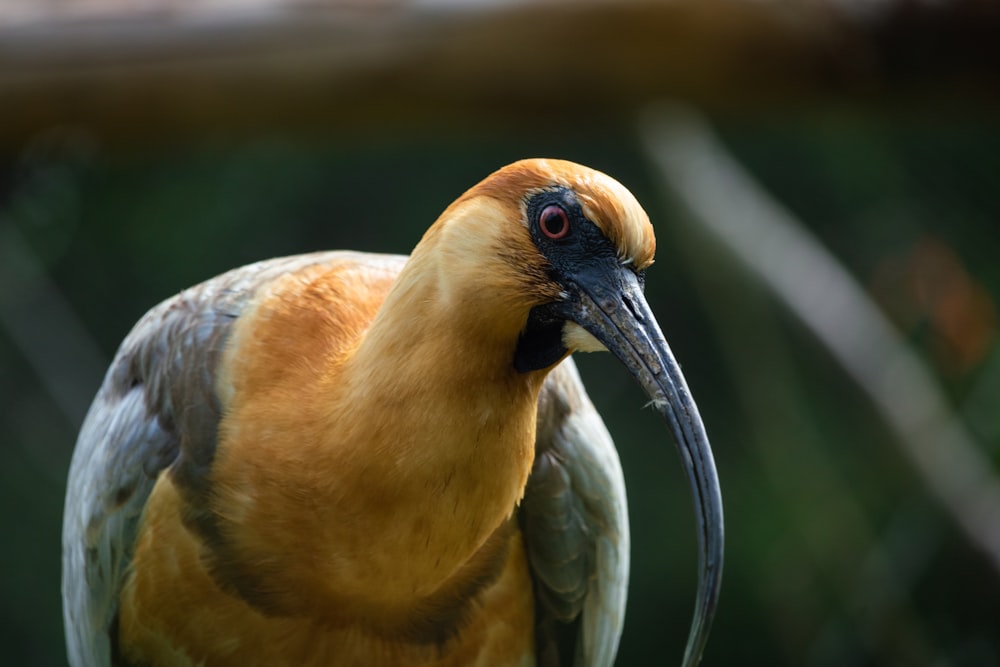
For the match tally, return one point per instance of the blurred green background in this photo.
(837, 553)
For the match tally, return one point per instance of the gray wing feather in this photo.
(120, 440)
(575, 519)
(157, 401)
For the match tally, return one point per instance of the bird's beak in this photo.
(612, 308)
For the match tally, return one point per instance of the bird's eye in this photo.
(554, 222)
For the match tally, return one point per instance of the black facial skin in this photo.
(584, 254)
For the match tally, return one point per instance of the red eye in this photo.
(554, 222)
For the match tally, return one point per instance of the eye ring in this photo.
(554, 222)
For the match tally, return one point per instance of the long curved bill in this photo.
(619, 317)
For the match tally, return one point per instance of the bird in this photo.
(345, 458)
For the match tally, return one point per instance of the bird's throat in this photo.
(541, 344)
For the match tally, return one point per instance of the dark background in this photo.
(837, 552)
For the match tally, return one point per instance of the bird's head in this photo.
(522, 243)
(563, 250)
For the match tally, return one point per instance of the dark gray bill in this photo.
(616, 313)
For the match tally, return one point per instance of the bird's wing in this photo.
(157, 400)
(575, 521)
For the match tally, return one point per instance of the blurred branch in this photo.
(160, 68)
(45, 328)
(806, 558)
(819, 291)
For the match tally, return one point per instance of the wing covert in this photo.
(575, 519)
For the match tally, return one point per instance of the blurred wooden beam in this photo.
(157, 69)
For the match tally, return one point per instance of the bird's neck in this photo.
(441, 440)
(457, 419)
(404, 474)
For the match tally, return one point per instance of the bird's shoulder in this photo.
(301, 323)
(159, 407)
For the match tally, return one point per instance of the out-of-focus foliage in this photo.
(836, 553)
